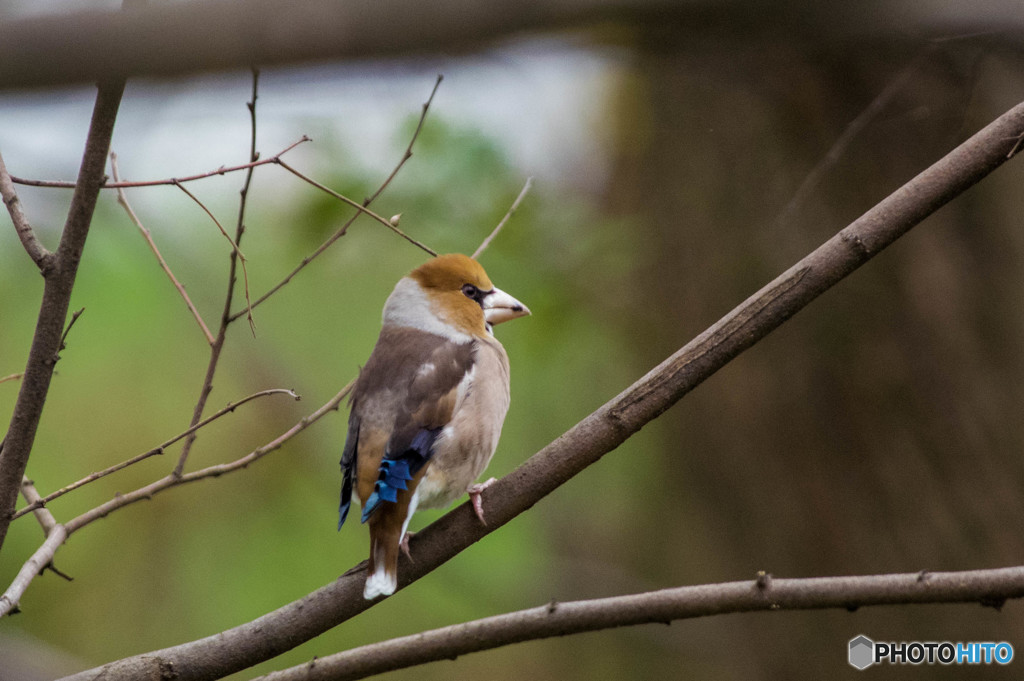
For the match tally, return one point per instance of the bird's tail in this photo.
(382, 572)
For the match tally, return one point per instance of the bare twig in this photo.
(46, 553)
(508, 216)
(851, 131)
(358, 206)
(43, 515)
(117, 184)
(11, 377)
(37, 503)
(225, 319)
(242, 202)
(64, 336)
(234, 246)
(662, 606)
(59, 282)
(348, 223)
(167, 482)
(122, 199)
(32, 567)
(35, 249)
(40, 560)
(609, 426)
(412, 140)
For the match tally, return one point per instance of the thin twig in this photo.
(242, 203)
(32, 567)
(159, 449)
(122, 199)
(167, 482)
(12, 377)
(43, 515)
(851, 131)
(223, 170)
(358, 206)
(511, 211)
(408, 149)
(348, 223)
(233, 259)
(35, 249)
(234, 246)
(55, 535)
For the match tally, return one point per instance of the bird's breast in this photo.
(467, 443)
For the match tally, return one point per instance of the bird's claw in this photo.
(476, 495)
(404, 545)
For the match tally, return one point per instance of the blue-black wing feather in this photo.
(348, 468)
(396, 471)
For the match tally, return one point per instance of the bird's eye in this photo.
(470, 291)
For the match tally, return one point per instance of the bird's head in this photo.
(454, 291)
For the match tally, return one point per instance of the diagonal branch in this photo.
(763, 594)
(155, 451)
(172, 480)
(508, 216)
(850, 133)
(236, 251)
(122, 199)
(35, 249)
(59, 282)
(43, 556)
(32, 567)
(358, 206)
(605, 429)
(43, 515)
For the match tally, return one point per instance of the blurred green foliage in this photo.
(877, 431)
(197, 559)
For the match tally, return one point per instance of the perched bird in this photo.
(427, 409)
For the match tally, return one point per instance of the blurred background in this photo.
(681, 160)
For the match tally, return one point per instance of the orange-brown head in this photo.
(453, 296)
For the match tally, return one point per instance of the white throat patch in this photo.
(409, 306)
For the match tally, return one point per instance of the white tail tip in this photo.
(380, 583)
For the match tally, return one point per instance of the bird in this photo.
(427, 408)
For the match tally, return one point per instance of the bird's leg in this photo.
(476, 495)
(404, 545)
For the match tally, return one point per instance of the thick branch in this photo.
(603, 430)
(205, 35)
(989, 587)
(60, 280)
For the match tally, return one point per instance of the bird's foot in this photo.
(404, 545)
(476, 495)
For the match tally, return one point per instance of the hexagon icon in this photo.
(862, 652)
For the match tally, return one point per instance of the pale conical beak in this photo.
(500, 307)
